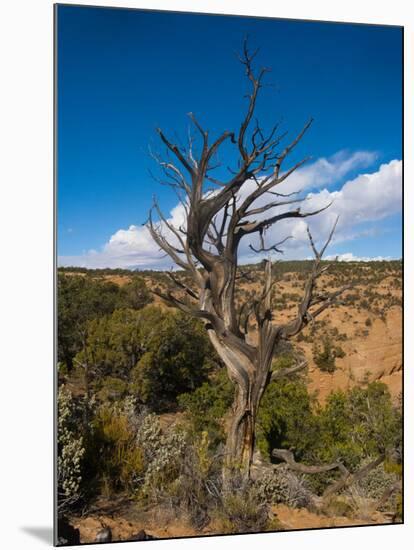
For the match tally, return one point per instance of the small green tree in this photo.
(115, 343)
(136, 293)
(80, 299)
(177, 359)
(325, 355)
(359, 423)
(286, 418)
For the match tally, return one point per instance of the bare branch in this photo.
(181, 285)
(318, 255)
(273, 248)
(269, 205)
(348, 478)
(172, 300)
(169, 249)
(174, 149)
(203, 133)
(311, 298)
(291, 146)
(256, 84)
(287, 456)
(265, 185)
(288, 371)
(254, 226)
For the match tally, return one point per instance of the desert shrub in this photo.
(163, 455)
(377, 424)
(325, 355)
(243, 511)
(70, 451)
(149, 436)
(375, 483)
(368, 322)
(399, 507)
(364, 304)
(283, 486)
(113, 453)
(351, 298)
(206, 406)
(112, 389)
(335, 441)
(337, 506)
(115, 342)
(338, 336)
(182, 473)
(393, 463)
(272, 488)
(339, 352)
(197, 489)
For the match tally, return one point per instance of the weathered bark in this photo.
(241, 428)
(241, 418)
(287, 456)
(348, 479)
(250, 370)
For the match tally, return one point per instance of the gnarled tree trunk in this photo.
(241, 419)
(241, 432)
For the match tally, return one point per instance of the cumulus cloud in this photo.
(327, 171)
(350, 257)
(367, 198)
(127, 248)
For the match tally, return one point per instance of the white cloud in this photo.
(326, 171)
(127, 248)
(367, 198)
(349, 257)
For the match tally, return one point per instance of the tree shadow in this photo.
(45, 534)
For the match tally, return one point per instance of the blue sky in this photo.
(122, 73)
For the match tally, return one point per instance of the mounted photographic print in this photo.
(229, 275)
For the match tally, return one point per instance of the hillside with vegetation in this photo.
(143, 403)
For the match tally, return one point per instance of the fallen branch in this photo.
(346, 479)
(350, 479)
(287, 456)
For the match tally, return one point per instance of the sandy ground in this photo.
(125, 526)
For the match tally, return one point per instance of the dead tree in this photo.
(218, 215)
